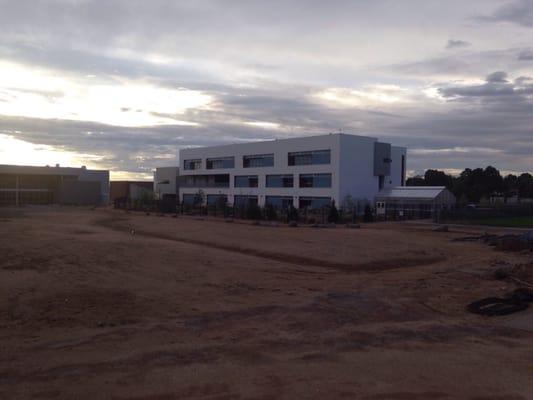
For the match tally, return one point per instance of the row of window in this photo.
(322, 180)
(285, 181)
(261, 160)
(278, 202)
(204, 181)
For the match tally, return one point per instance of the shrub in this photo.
(253, 212)
(292, 213)
(333, 216)
(369, 215)
(271, 213)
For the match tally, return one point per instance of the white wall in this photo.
(352, 167)
(280, 149)
(357, 168)
(169, 174)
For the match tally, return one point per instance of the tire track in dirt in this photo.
(115, 223)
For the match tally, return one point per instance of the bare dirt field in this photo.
(103, 304)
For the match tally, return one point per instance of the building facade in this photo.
(414, 202)
(130, 190)
(21, 185)
(307, 172)
(166, 183)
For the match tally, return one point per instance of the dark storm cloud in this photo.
(497, 77)
(496, 85)
(471, 126)
(223, 124)
(521, 80)
(461, 139)
(526, 55)
(454, 44)
(470, 64)
(105, 67)
(518, 12)
(264, 62)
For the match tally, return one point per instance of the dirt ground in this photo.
(103, 304)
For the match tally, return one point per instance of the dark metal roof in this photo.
(412, 192)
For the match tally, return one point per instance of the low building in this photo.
(414, 202)
(496, 199)
(130, 190)
(24, 185)
(166, 185)
(307, 172)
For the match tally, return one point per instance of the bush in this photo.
(292, 213)
(369, 215)
(333, 216)
(221, 203)
(271, 213)
(253, 212)
(199, 198)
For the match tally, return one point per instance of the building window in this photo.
(280, 181)
(220, 163)
(245, 201)
(315, 180)
(247, 181)
(258, 161)
(280, 202)
(216, 199)
(310, 157)
(314, 202)
(189, 199)
(192, 164)
(204, 181)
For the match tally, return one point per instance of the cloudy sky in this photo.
(123, 85)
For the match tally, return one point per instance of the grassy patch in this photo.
(514, 222)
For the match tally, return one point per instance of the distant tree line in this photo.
(473, 185)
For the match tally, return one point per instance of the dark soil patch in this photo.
(92, 307)
(27, 263)
(401, 262)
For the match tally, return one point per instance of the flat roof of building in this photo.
(295, 138)
(45, 170)
(412, 192)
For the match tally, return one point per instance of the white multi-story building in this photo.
(305, 172)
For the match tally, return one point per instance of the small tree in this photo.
(145, 199)
(220, 205)
(198, 201)
(199, 198)
(333, 216)
(241, 211)
(369, 215)
(271, 213)
(292, 213)
(253, 211)
(349, 206)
